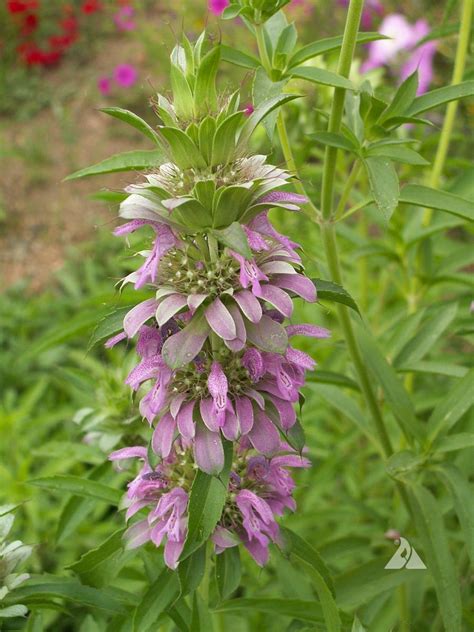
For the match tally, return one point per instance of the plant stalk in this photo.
(449, 120)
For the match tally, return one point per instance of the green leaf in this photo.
(322, 76)
(383, 181)
(110, 600)
(327, 45)
(238, 58)
(184, 151)
(404, 463)
(225, 138)
(80, 486)
(77, 508)
(399, 154)
(438, 97)
(263, 89)
(155, 600)
(462, 493)
(182, 95)
(93, 558)
(426, 338)
(191, 571)
(426, 197)
(347, 406)
(234, 237)
(133, 120)
(205, 95)
(259, 114)
(451, 443)
(334, 140)
(293, 608)
(206, 502)
(201, 619)
(330, 377)
(438, 559)
(452, 406)
(436, 368)
(329, 291)
(395, 393)
(127, 161)
(108, 326)
(296, 546)
(361, 584)
(402, 100)
(228, 571)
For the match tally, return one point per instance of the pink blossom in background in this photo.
(404, 39)
(301, 6)
(125, 75)
(217, 6)
(104, 85)
(124, 18)
(249, 109)
(371, 8)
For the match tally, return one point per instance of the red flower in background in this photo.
(20, 6)
(91, 6)
(30, 23)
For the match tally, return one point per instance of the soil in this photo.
(42, 217)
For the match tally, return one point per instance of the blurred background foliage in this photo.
(63, 405)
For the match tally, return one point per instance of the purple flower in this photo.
(403, 43)
(125, 75)
(124, 18)
(169, 519)
(105, 85)
(217, 6)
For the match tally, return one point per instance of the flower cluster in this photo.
(259, 490)
(216, 367)
(27, 16)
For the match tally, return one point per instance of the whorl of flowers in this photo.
(216, 365)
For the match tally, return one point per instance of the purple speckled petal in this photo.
(168, 307)
(300, 358)
(278, 298)
(256, 396)
(172, 552)
(137, 534)
(307, 330)
(249, 305)
(194, 300)
(286, 412)
(263, 435)
(220, 320)
(297, 283)
(282, 197)
(258, 551)
(138, 316)
(111, 342)
(128, 453)
(175, 404)
(239, 342)
(185, 420)
(230, 429)
(162, 439)
(224, 539)
(208, 450)
(134, 225)
(244, 410)
(208, 415)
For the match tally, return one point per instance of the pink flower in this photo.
(217, 6)
(404, 39)
(125, 75)
(104, 85)
(123, 19)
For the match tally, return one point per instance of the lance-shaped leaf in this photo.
(383, 181)
(328, 45)
(127, 161)
(426, 197)
(438, 97)
(80, 486)
(322, 76)
(234, 237)
(238, 58)
(402, 100)
(329, 291)
(205, 95)
(156, 599)
(228, 571)
(135, 121)
(184, 152)
(108, 326)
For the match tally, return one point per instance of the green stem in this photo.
(291, 163)
(262, 49)
(449, 120)
(404, 610)
(344, 67)
(347, 189)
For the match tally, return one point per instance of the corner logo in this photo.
(405, 557)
